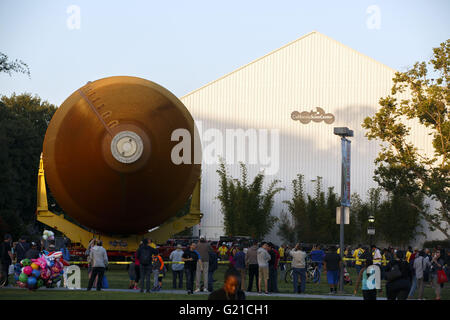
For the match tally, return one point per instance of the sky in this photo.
(182, 45)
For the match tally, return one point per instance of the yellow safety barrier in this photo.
(220, 262)
(129, 262)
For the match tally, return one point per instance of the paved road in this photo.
(281, 295)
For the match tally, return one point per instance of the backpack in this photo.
(145, 257)
(366, 255)
(394, 273)
(411, 266)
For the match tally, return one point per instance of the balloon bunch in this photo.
(46, 270)
(48, 235)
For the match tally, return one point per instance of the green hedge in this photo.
(435, 243)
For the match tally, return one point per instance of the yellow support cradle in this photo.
(129, 243)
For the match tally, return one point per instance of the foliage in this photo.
(286, 230)
(396, 221)
(13, 66)
(299, 226)
(245, 206)
(313, 218)
(401, 166)
(23, 123)
(433, 244)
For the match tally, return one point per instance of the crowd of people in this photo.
(258, 266)
(406, 272)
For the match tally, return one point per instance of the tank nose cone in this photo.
(127, 147)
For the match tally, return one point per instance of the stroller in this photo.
(347, 278)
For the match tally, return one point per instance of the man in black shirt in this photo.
(273, 284)
(5, 259)
(21, 249)
(230, 289)
(144, 255)
(190, 258)
(213, 265)
(33, 252)
(331, 265)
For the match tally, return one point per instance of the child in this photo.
(158, 267)
(132, 274)
(161, 275)
(369, 290)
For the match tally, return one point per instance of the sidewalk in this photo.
(248, 294)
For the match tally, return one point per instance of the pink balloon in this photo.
(21, 284)
(28, 270)
(41, 262)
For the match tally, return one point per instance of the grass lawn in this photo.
(118, 279)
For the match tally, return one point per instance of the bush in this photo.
(435, 243)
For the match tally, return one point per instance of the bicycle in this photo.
(312, 273)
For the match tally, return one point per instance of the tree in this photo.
(246, 208)
(312, 218)
(396, 221)
(286, 230)
(401, 166)
(298, 222)
(13, 66)
(23, 123)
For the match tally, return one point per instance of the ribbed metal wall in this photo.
(313, 71)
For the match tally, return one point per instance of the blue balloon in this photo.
(16, 277)
(31, 282)
(36, 273)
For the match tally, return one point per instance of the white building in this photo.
(311, 72)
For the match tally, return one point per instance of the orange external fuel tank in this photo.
(107, 155)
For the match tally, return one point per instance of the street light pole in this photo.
(343, 132)
(371, 228)
(341, 227)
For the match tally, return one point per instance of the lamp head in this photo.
(343, 132)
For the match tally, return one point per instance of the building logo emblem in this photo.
(319, 115)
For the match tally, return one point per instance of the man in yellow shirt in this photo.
(356, 254)
(223, 249)
(408, 254)
(281, 251)
(384, 261)
(282, 258)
